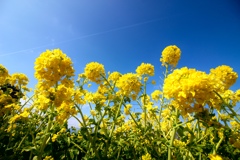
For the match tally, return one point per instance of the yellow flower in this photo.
(48, 158)
(94, 72)
(214, 157)
(114, 76)
(156, 95)
(54, 137)
(146, 157)
(78, 96)
(224, 75)
(170, 56)
(189, 88)
(14, 118)
(179, 143)
(18, 79)
(93, 112)
(235, 125)
(3, 74)
(65, 110)
(42, 102)
(145, 69)
(53, 66)
(63, 93)
(25, 114)
(129, 84)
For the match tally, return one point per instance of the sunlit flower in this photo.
(3, 74)
(224, 76)
(114, 76)
(54, 137)
(146, 157)
(93, 112)
(188, 87)
(170, 56)
(145, 69)
(94, 72)
(52, 66)
(214, 157)
(156, 95)
(48, 158)
(129, 84)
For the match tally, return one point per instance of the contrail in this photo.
(89, 35)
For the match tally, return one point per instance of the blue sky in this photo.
(121, 34)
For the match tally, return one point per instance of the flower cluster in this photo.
(225, 77)
(156, 95)
(12, 89)
(170, 56)
(114, 76)
(94, 72)
(145, 69)
(193, 115)
(129, 84)
(53, 66)
(54, 72)
(190, 89)
(3, 74)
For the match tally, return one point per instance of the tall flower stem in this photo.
(92, 143)
(47, 135)
(173, 135)
(113, 126)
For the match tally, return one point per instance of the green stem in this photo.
(114, 122)
(46, 136)
(218, 144)
(89, 136)
(76, 145)
(144, 105)
(172, 136)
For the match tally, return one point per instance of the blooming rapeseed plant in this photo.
(193, 116)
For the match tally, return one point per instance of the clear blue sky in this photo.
(121, 34)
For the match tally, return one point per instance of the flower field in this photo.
(193, 114)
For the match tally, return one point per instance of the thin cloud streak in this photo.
(90, 35)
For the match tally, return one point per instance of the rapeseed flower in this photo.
(214, 157)
(146, 157)
(129, 84)
(156, 95)
(18, 79)
(225, 77)
(170, 56)
(145, 69)
(114, 76)
(3, 74)
(52, 66)
(94, 72)
(189, 89)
